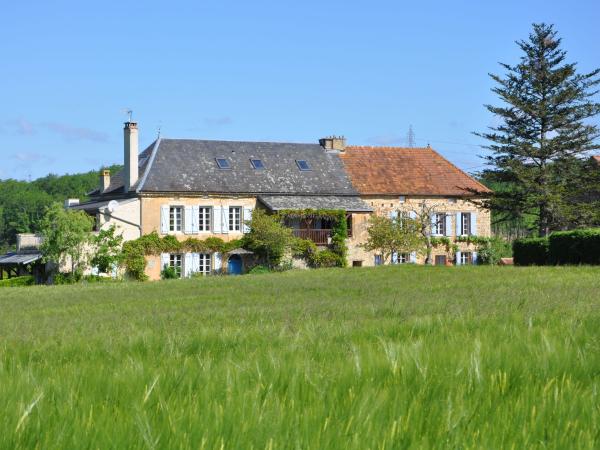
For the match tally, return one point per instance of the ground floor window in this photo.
(466, 258)
(204, 264)
(378, 260)
(356, 263)
(403, 258)
(440, 260)
(175, 262)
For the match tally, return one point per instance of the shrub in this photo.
(303, 248)
(490, 251)
(168, 273)
(26, 280)
(531, 251)
(326, 258)
(259, 269)
(575, 247)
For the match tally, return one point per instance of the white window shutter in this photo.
(247, 217)
(434, 227)
(217, 211)
(393, 215)
(187, 265)
(225, 219)
(218, 265)
(448, 225)
(164, 219)
(474, 224)
(412, 215)
(458, 224)
(413, 257)
(195, 217)
(394, 257)
(164, 260)
(474, 256)
(187, 220)
(458, 254)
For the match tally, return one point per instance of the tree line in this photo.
(23, 204)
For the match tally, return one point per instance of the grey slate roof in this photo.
(279, 202)
(184, 165)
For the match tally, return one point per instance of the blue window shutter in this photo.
(448, 225)
(187, 220)
(475, 260)
(458, 254)
(474, 224)
(458, 224)
(164, 219)
(394, 257)
(217, 212)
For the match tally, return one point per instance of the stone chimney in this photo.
(335, 143)
(104, 180)
(131, 155)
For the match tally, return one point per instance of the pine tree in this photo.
(544, 132)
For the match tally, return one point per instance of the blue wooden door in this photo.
(234, 265)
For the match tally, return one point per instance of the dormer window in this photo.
(302, 165)
(223, 163)
(257, 164)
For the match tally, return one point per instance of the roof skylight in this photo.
(257, 163)
(302, 165)
(223, 163)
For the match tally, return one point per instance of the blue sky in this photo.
(259, 70)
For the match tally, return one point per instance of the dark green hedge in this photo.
(531, 251)
(575, 247)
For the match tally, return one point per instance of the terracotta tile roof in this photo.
(406, 171)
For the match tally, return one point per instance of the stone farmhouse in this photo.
(200, 188)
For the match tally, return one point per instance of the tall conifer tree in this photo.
(544, 132)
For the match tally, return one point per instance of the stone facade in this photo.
(384, 205)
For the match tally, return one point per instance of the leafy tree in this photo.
(268, 237)
(544, 131)
(67, 235)
(107, 252)
(388, 236)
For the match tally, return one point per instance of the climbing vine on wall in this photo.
(135, 252)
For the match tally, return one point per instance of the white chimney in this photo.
(104, 180)
(131, 154)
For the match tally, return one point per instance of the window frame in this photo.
(223, 167)
(205, 263)
(235, 226)
(467, 216)
(173, 218)
(378, 260)
(440, 224)
(466, 258)
(173, 257)
(260, 166)
(204, 224)
(299, 163)
(403, 258)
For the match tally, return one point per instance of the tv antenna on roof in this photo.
(129, 113)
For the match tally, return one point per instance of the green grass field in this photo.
(391, 357)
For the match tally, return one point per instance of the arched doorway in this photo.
(234, 265)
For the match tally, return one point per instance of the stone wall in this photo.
(384, 205)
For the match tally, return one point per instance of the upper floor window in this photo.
(204, 218)
(465, 219)
(257, 164)
(302, 165)
(175, 218)
(235, 218)
(223, 163)
(438, 224)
